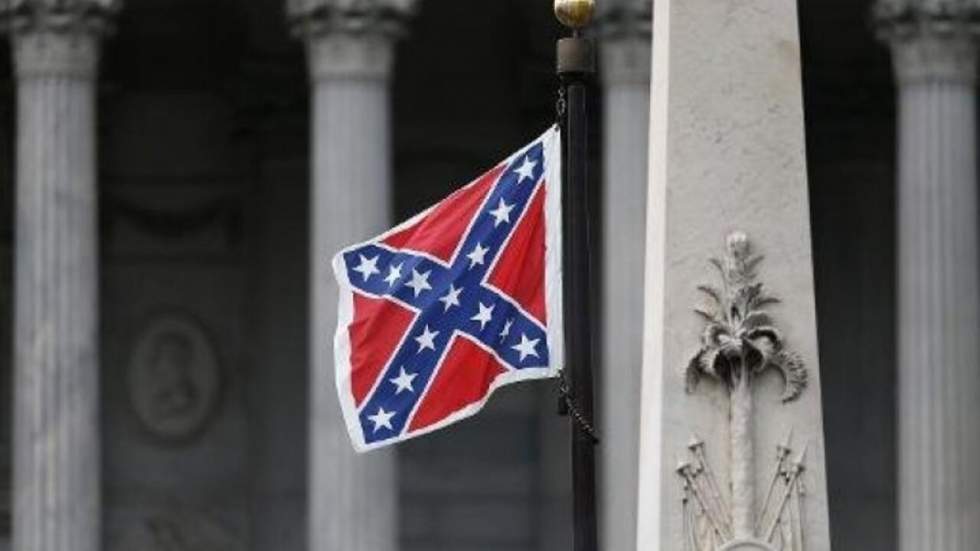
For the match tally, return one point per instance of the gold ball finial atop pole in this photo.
(574, 14)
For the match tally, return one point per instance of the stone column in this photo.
(625, 78)
(56, 380)
(935, 56)
(350, 46)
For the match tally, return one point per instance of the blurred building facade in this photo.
(177, 173)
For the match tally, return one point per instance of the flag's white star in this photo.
(368, 267)
(382, 419)
(403, 381)
(484, 315)
(526, 347)
(394, 274)
(427, 339)
(506, 329)
(502, 213)
(526, 170)
(420, 282)
(451, 297)
(477, 255)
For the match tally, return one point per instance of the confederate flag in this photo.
(465, 297)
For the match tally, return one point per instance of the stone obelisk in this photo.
(732, 447)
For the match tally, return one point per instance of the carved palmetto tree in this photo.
(739, 339)
(738, 343)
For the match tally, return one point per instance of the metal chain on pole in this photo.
(567, 407)
(560, 107)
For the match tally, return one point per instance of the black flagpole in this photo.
(576, 67)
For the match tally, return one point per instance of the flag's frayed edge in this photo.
(551, 142)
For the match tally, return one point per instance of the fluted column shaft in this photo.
(56, 421)
(938, 293)
(353, 499)
(625, 74)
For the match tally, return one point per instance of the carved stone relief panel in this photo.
(147, 221)
(739, 342)
(187, 529)
(173, 377)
